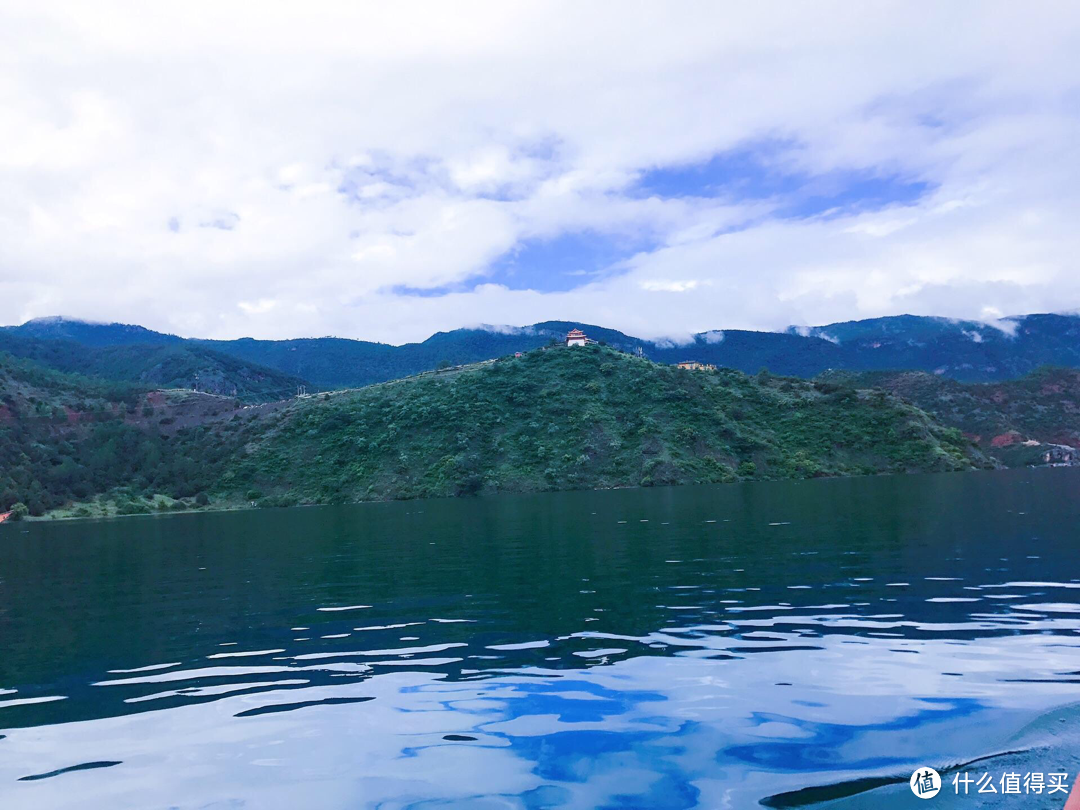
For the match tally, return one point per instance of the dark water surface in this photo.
(712, 647)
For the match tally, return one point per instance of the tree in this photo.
(18, 511)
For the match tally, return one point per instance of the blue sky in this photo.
(667, 169)
(574, 259)
(551, 264)
(758, 173)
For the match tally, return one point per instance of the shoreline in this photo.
(238, 507)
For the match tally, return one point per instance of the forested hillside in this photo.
(1017, 421)
(182, 364)
(65, 437)
(551, 419)
(589, 417)
(91, 334)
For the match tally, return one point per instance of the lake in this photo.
(796, 644)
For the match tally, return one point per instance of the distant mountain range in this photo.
(84, 419)
(131, 354)
(968, 351)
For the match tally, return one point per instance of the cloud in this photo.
(209, 172)
(673, 341)
(672, 285)
(257, 307)
(503, 329)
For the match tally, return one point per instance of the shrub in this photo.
(279, 500)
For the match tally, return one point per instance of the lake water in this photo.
(794, 643)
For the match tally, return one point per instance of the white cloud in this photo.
(673, 341)
(504, 329)
(257, 307)
(334, 155)
(673, 285)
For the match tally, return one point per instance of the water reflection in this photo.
(714, 647)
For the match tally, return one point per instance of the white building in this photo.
(575, 337)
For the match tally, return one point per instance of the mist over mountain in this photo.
(91, 333)
(84, 411)
(963, 350)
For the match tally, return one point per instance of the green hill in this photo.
(1041, 408)
(66, 437)
(551, 419)
(584, 418)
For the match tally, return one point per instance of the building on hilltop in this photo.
(575, 337)
(694, 365)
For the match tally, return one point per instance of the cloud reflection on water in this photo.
(572, 650)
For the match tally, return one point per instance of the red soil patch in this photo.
(1005, 439)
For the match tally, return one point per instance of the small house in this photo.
(694, 365)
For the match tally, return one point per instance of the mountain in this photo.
(962, 350)
(172, 364)
(557, 418)
(569, 418)
(327, 363)
(1016, 421)
(91, 334)
(67, 437)
(338, 363)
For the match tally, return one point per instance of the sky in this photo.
(385, 171)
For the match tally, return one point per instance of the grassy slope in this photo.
(591, 417)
